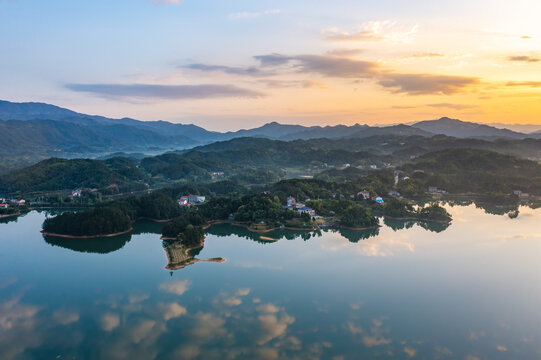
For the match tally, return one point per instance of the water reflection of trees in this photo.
(355, 236)
(396, 225)
(94, 246)
(105, 245)
(224, 230)
(10, 219)
(510, 207)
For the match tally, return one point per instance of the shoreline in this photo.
(158, 221)
(416, 219)
(64, 236)
(249, 228)
(357, 228)
(10, 215)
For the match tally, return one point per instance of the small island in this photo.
(113, 219)
(403, 210)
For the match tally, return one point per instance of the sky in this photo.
(230, 64)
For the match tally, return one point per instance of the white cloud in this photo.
(109, 322)
(176, 287)
(373, 31)
(172, 310)
(65, 317)
(233, 301)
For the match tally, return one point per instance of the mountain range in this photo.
(34, 131)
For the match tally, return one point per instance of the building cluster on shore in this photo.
(4, 204)
(293, 205)
(189, 200)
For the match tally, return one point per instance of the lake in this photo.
(468, 291)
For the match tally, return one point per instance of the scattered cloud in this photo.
(268, 308)
(13, 314)
(273, 59)
(410, 351)
(451, 106)
(253, 15)
(326, 65)
(207, 326)
(172, 310)
(301, 84)
(233, 301)
(176, 287)
(167, 92)
(246, 71)
(141, 331)
(524, 58)
(4, 283)
(425, 55)
(345, 52)
(109, 322)
(271, 326)
(371, 338)
(65, 317)
(533, 84)
(242, 292)
(424, 84)
(372, 31)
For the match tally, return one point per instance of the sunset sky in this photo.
(234, 64)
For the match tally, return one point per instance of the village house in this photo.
(521, 194)
(379, 200)
(188, 200)
(3, 206)
(307, 210)
(77, 193)
(365, 194)
(291, 201)
(435, 190)
(18, 202)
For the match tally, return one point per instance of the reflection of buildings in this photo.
(178, 256)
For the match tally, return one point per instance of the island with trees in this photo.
(403, 210)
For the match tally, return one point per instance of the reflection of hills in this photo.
(355, 236)
(224, 230)
(96, 246)
(408, 224)
(179, 257)
(10, 219)
(105, 245)
(495, 207)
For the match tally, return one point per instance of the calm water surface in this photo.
(470, 291)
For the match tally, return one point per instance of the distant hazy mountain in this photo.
(329, 132)
(47, 135)
(271, 130)
(35, 131)
(462, 129)
(399, 130)
(41, 111)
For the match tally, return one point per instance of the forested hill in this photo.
(46, 135)
(452, 161)
(59, 174)
(479, 171)
(257, 161)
